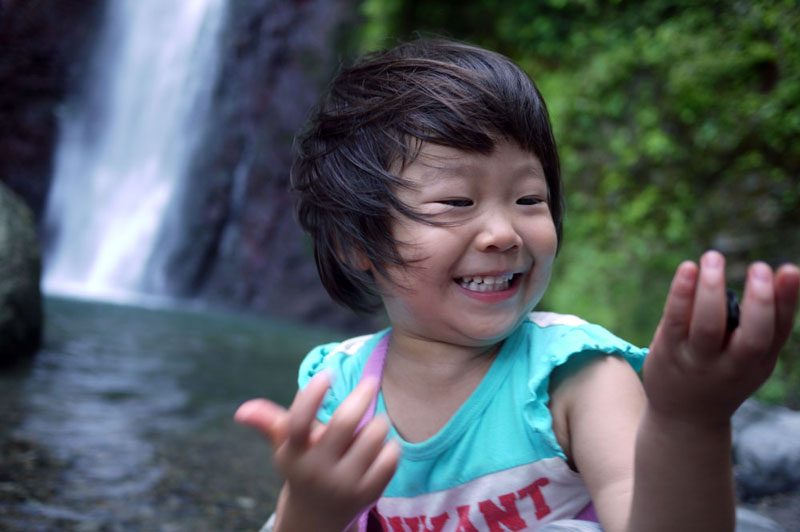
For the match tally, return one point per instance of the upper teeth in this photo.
(487, 279)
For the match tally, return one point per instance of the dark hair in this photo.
(374, 118)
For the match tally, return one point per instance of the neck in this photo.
(421, 360)
(425, 383)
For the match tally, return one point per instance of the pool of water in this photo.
(123, 420)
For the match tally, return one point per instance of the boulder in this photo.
(750, 521)
(765, 449)
(20, 273)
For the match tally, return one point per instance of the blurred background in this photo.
(144, 156)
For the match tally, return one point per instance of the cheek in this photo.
(401, 284)
(553, 246)
(427, 250)
(543, 240)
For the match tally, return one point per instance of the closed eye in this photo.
(529, 200)
(457, 202)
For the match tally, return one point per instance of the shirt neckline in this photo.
(466, 414)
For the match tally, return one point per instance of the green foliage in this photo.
(678, 126)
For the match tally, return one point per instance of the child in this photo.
(429, 181)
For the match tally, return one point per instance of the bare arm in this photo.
(596, 414)
(696, 376)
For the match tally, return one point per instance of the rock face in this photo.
(238, 243)
(241, 244)
(41, 49)
(20, 271)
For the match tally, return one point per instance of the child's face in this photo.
(472, 280)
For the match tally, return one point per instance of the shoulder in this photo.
(593, 389)
(552, 346)
(555, 339)
(549, 319)
(596, 413)
(341, 358)
(592, 383)
(344, 360)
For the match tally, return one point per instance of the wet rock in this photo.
(765, 449)
(750, 521)
(781, 508)
(20, 272)
(27, 474)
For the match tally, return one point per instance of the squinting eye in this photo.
(456, 202)
(528, 200)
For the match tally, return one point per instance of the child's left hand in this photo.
(696, 371)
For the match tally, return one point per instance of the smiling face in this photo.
(474, 276)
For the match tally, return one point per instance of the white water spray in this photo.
(125, 145)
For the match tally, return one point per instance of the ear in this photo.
(355, 258)
(361, 261)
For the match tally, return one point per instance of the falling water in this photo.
(125, 146)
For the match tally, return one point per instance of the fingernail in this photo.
(244, 411)
(712, 260)
(687, 271)
(324, 374)
(394, 440)
(372, 380)
(760, 272)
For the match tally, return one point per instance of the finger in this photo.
(674, 326)
(366, 446)
(304, 409)
(317, 430)
(787, 291)
(342, 425)
(754, 336)
(707, 326)
(381, 471)
(266, 417)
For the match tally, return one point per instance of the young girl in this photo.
(429, 181)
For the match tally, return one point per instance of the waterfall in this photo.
(125, 145)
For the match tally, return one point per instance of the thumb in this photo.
(268, 418)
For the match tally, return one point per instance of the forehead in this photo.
(434, 162)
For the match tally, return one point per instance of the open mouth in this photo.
(487, 283)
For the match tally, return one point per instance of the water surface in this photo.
(123, 420)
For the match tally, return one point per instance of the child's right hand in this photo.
(332, 473)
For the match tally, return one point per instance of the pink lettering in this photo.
(396, 523)
(534, 491)
(464, 524)
(508, 516)
(505, 517)
(420, 524)
(413, 523)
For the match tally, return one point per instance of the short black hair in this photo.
(376, 114)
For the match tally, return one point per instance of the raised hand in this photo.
(697, 371)
(332, 473)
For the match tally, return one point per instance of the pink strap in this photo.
(373, 368)
(588, 514)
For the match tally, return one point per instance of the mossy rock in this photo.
(20, 275)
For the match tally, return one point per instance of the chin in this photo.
(490, 335)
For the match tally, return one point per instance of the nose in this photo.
(497, 233)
